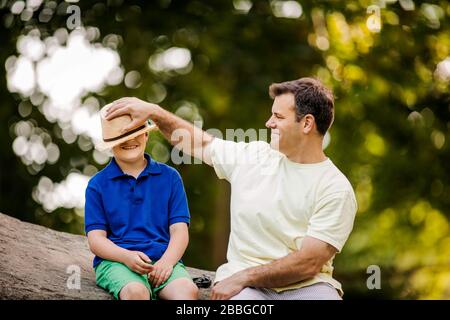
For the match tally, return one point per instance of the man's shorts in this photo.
(113, 276)
(316, 291)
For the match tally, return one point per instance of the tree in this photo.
(387, 64)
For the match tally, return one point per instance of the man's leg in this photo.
(317, 291)
(250, 294)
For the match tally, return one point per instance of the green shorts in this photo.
(113, 276)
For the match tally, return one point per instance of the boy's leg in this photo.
(134, 291)
(179, 286)
(121, 282)
(179, 289)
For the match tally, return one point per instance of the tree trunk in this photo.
(40, 263)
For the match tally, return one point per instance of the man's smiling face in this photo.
(131, 150)
(286, 132)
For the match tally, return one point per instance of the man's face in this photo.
(131, 150)
(286, 132)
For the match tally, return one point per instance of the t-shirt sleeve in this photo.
(178, 205)
(333, 219)
(227, 156)
(94, 213)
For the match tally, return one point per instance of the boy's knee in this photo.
(193, 291)
(134, 291)
(181, 289)
(188, 290)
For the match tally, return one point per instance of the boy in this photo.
(136, 220)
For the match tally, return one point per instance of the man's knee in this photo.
(134, 291)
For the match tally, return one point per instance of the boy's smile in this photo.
(129, 147)
(131, 150)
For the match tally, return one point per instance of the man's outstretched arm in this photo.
(296, 266)
(179, 132)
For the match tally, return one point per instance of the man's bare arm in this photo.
(179, 132)
(297, 266)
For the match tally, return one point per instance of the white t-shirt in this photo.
(276, 202)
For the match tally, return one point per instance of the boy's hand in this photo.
(139, 262)
(161, 272)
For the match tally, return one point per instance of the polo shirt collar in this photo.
(152, 167)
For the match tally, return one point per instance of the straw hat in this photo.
(111, 130)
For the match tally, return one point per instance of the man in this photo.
(291, 208)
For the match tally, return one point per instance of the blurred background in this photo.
(388, 63)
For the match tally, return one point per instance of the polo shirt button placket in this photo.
(132, 188)
(135, 192)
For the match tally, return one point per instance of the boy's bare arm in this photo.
(179, 132)
(104, 248)
(179, 239)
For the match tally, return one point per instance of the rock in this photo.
(40, 263)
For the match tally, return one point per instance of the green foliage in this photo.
(390, 136)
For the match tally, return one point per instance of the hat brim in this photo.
(103, 146)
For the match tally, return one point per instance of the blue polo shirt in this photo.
(136, 213)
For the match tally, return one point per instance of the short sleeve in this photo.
(178, 205)
(94, 213)
(333, 219)
(228, 156)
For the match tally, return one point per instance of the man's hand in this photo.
(138, 261)
(188, 138)
(161, 272)
(139, 111)
(229, 287)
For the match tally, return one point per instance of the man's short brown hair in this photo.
(311, 97)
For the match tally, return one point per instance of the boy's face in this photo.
(131, 150)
